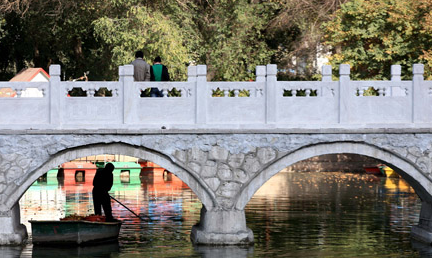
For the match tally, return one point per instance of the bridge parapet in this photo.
(262, 104)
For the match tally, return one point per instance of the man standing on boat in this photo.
(102, 183)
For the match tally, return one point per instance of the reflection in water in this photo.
(292, 215)
(424, 249)
(100, 250)
(226, 251)
(328, 214)
(10, 251)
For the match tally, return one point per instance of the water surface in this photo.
(292, 215)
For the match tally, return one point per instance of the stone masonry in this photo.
(223, 169)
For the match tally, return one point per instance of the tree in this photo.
(224, 35)
(40, 33)
(232, 38)
(141, 28)
(373, 35)
(426, 6)
(294, 33)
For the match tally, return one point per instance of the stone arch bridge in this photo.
(223, 148)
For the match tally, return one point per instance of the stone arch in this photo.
(205, 196)
(409, 171)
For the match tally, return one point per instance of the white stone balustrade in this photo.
(326, 104)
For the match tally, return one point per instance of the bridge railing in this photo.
(90, 110)
(18, 111)
(261, 104)
(317, 104)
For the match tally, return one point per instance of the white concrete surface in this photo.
(223, 148)
(339, 104)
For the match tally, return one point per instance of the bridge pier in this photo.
(222, 227)
(423, 231)
(12, 232)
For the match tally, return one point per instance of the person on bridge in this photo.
(141, 67)
(102, 183)
(158, 73)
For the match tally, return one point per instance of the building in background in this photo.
(27, 75)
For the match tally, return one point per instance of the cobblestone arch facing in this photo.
(224, 170)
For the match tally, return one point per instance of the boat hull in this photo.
(373, 171)
(77, 232)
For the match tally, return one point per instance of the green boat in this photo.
(78, 232)
(124, 172)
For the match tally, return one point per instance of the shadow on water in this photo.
(99, 250)
(424, 250)
(10, 251)
(113, 250)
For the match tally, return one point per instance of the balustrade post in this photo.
(121, 73)
(121, 90)
(130, 96)
(201, 95)
(192, 73)
(55, 94)
(260, 73)
(419, 95)
(396, 73)
(395, 77)
(326, 73)
(344, 93)
(271, 94)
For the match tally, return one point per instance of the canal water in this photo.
(292, 215)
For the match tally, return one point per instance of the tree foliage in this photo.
(230, 37)
(48, 32)
(373, 35)
(98, 36)
(146, 30)
(294, 32)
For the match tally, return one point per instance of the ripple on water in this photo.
(292, 215)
